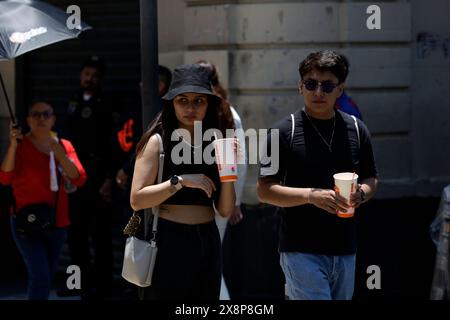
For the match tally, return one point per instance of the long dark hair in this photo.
(225, 115)
(166, 122)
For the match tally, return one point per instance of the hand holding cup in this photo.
(345, 184)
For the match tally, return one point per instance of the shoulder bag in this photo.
(140, 255)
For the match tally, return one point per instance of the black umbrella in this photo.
(26, 25)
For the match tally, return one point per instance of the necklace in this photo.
(184, 140)
(329, 144)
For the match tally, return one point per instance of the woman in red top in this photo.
(26, 167)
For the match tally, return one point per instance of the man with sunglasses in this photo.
(317, 248)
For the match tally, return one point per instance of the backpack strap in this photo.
(290, 144)
(357, 130)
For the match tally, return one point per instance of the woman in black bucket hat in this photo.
(188, 264)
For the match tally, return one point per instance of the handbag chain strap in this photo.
(133, 224)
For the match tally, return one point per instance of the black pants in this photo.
(188, 263)
(90, 241)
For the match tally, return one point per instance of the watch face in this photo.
(174, 180)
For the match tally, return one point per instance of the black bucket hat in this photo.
(190, 78)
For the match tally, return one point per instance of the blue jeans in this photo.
(318, 277)
(41, 259)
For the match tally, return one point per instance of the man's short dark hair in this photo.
(165, 75)
(95, 62)
(326, 60)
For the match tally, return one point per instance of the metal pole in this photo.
(149, 75)
(149, 61)
(11, 113)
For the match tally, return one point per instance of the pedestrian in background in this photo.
(346, 104)
(91, 117)
(27, 167)
(130, 131)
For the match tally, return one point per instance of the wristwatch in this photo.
(362, 194)
(175, 181)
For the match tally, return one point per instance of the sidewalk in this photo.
(15, 289)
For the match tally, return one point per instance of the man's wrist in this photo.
(362, 194)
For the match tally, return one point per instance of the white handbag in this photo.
(140, 255)
(139, 261)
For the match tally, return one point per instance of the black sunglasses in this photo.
(44, 114)
(327, 86)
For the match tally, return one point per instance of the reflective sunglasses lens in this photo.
(311, 85)
(328, 87)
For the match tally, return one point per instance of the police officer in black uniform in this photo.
(90, 120)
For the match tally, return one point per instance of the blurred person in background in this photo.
(91, 117)
(27, 167)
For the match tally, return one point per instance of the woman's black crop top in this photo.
(191, 196)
